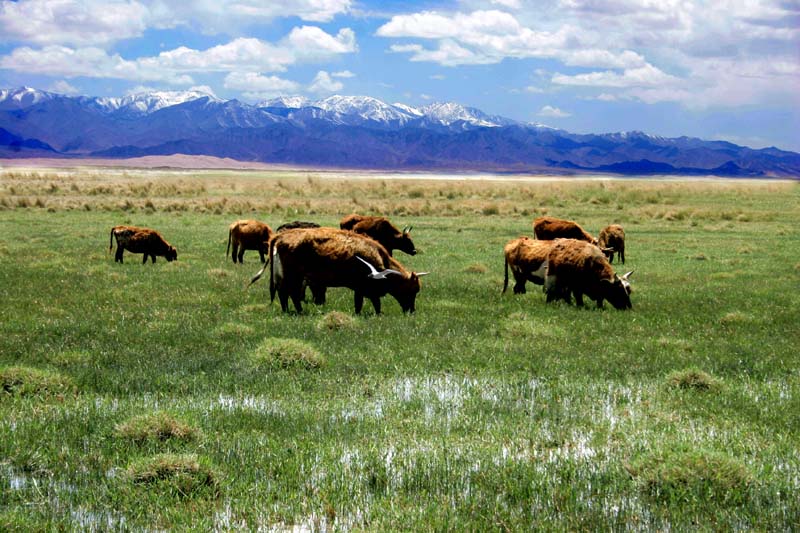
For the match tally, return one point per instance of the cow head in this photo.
(618, 291)
(172, 254)
(404, 242)
(405, 289)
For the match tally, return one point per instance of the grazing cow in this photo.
(578, 267)
(383, 231)
(527, 259)
(248, 235)
(140, 241)
(549, 228)
(297, 224)
(612, 239)
(336, 258)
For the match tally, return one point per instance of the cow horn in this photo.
(420, 274)
(627, 275)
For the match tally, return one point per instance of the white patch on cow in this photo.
(277, 269)
(540, 272)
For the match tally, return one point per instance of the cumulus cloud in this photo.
(553, 112)
(323, 83)
(73, 22)
(63, 87)
(175, 66)
(255, 83)
(645, 76)
(343, 74)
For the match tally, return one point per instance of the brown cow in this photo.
(612, 239)
(581, 268)
(527, 259)
(380, 229)
(140, 241)
(338, 258)
(549, 228)
(248, 235)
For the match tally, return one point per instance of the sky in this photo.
(716, 69)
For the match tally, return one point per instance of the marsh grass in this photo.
(159, 426)
(288, 353)
(181, 475)
(482, 411)
(693, 379)
(19, 381)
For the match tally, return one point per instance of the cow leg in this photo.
(118, 255)
(241, 256)
(358, 300)
(376, 303)
(622, 255)
(144, 259)
(262, 254)
(578, 298)
(234, 251)
(283, 297)
(318, 292)
(153, 257)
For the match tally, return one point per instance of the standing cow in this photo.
(248, 235)
(383, 231)
(338, 258)
(527, 259)
(140, 241)
(612, 239)
(578, 267)
(549, 228)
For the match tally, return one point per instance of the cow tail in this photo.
(229, 242)
(271, 271)
(505, 279)
(111, 241)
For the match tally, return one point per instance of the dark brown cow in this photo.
(527, 259)
(612, 239)
(549, 228)
(140, 241)
(338, 258)
(578, 267)
(248, 235)
(297, 224)
(380, 229)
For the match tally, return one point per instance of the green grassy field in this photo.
(169, 396)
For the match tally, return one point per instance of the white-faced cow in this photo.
(527, 259)
(549, 228)
(336, 258)
(248, 235)
(578, 267)
(140, 241)
(380, 229)
(612, 239)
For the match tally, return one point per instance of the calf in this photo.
(337, 258)
(612, 239)
(549, 228)
(140, 241)
(578, 267)
(248, 235)
(380, 229)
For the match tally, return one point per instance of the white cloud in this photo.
(174, 66)
(63, 87)
(553, 112)
(323, 83)
(343, 74)
(511, 4)
(254, 83)
(74, 22)
(646, 76)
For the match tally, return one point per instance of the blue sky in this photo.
(717, 69)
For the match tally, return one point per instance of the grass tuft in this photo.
(477, 268)
(336, 320)
(233, 329)
(158, 426)
(181, 475)
(23, 381)
(692, 378)
(288, 353)
(693, 476)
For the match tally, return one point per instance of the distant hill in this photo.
(351, 131)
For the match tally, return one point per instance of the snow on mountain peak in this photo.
(144, 103)
(22, 97)
(289, 102)
(449, 112)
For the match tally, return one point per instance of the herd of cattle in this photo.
(563, 258)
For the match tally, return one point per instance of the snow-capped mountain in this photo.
(144, 103)
(350, 131)
(22, 97)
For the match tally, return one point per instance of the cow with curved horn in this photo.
(338, 258)
(383, 231)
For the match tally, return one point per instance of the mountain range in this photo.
(351, 132)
